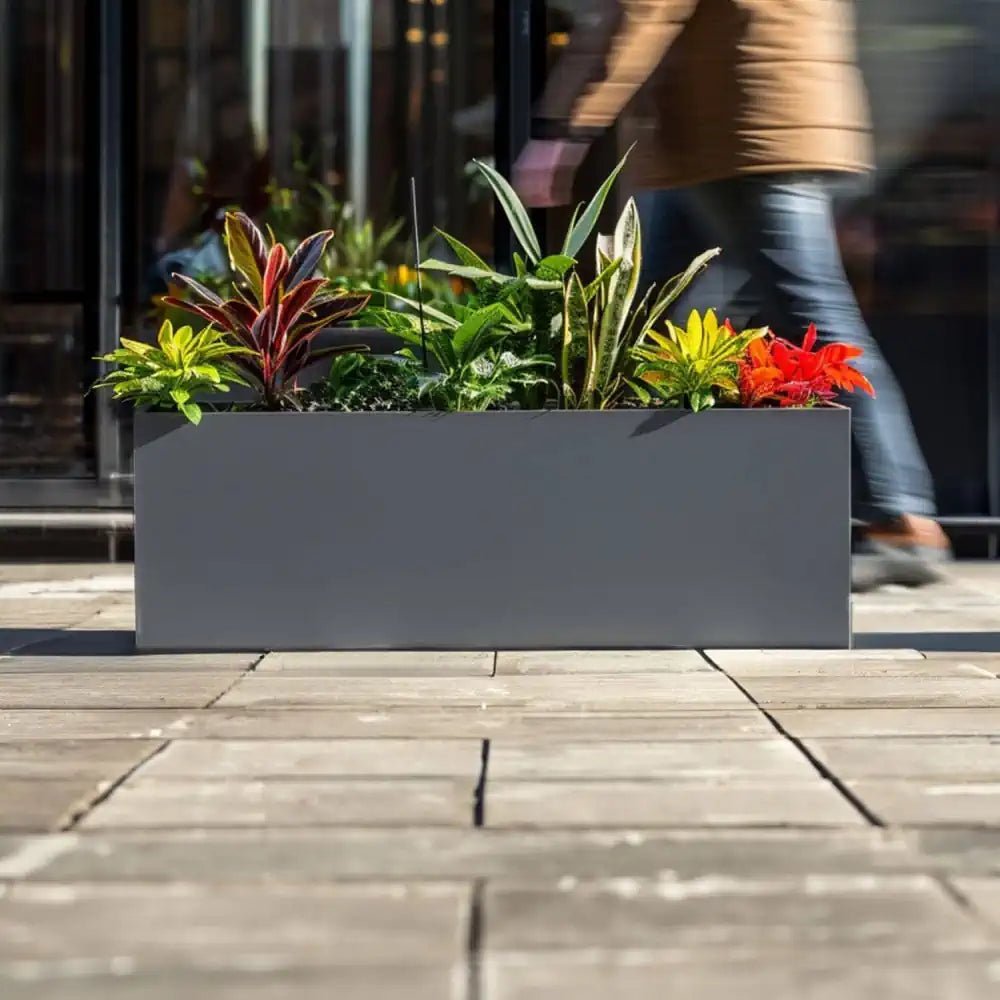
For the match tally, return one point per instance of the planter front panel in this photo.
(513, 530)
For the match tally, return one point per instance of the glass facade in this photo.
(43, 266)
(307, 111)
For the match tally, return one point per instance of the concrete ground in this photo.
(675, 825)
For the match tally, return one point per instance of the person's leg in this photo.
(673, 233)
(781, 229)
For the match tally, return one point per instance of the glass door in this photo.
(44, 346)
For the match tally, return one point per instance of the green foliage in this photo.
(692, 367)
(534, 294)
(170, 374)
(586, 332)
(367, 382)
(475, 367)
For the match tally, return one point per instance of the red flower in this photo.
(776, 371)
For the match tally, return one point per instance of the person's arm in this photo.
(613, 52)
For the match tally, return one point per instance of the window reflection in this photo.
(43, 362)
(310, 113)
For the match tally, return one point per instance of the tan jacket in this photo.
(731, 86)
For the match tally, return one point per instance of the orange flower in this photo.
(775, 371)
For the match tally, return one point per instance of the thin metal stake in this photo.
(420, 284)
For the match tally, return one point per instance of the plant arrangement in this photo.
(537, 337)
(171, 373)
(278, 310)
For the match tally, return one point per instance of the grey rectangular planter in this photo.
(260, 531)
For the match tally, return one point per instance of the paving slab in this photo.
(86, 724)
(214, 927)
(726, 658)
(27, 804)
(875, 692)
(990, 662)
(971, 851)
(95, 760)
(836, 975)
(637, 804)
(879, 722)
(807, 669)
(119, 616)
(118, 689)
(470, 722)
(345, 802)
(30, 612)
(67, 573)
(917, 619)
(601, 662)
(379, 664)
(670, 916)
(765, 759)
(292, 856)
(245, 759)
(983, 894)
(957, 758)
(29, 663)
(343, 983)
(634, 692)
(938, 803)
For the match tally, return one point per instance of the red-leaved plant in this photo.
(775, 371)
(280, 308)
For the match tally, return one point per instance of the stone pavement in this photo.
(510, 826)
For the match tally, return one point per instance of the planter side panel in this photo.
(511, 530)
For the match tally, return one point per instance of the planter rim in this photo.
(497, 413)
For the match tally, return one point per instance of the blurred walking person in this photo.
(758, 104)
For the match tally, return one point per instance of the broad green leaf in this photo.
(701, 401)
(642, 394)
(133, 345)
(429, 310)
(465, 271)
(192, 411)
(465, 254)
(555, 265)
(517, 214)
(580, 231)
(467, 339)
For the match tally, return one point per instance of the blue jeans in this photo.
(779, 231)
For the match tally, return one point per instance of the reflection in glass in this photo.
(43, 361)
(308, 113)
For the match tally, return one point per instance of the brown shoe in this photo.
(909, 552)
(910, 531)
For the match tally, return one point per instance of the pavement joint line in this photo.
(962, 901)
(229, 687)
(474, 946)
(496, 660)
(479, 809)
(870, 817)
(105, 793)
